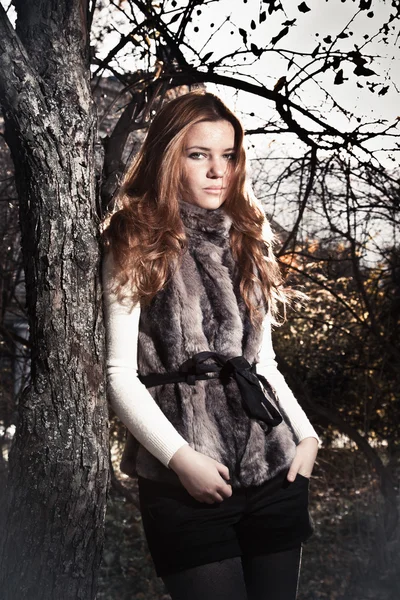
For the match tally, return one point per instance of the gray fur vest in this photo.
(201, 309)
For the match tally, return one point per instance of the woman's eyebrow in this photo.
(208, 149)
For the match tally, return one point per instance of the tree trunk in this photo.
(59, 462)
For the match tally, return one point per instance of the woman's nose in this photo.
(217, 168)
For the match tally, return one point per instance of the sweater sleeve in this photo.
(288, 404)
(129, 398)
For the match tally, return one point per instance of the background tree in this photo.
(59, 462)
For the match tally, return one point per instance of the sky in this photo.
(325, 17)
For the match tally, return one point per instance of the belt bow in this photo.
(257, 400)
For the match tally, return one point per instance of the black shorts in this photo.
(182, 533)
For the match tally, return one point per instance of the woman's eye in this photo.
(199, 155)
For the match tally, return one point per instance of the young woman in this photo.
(222, 450)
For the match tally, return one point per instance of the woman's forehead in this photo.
(211, 134)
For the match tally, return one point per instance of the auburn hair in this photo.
(146, 234)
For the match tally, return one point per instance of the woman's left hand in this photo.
(303, 462)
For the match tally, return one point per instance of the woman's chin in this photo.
(209, 202)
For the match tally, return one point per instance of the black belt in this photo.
(256, 400)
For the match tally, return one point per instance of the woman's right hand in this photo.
(203, 477)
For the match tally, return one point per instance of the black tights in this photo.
(266, 577)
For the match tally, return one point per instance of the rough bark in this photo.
(59, 463)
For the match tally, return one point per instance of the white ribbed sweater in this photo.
(132, 402)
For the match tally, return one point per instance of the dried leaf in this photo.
(303, 8)
(362, 71)
(255, 50)
(280, 84)
(243, 33)
(280, 35)
(357, 58)
(175, 18)
(339, 79)
(315, 51)
(273, 6)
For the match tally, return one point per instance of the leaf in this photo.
(253, 24)
(362, 71)
(280, 84)
(343, 35)
(357, 58)
(280, 35)
(315, 51)
(336, 62)
(273, 6)
(289, 23)
(303, 8)
(383, 91)
(207, 56)
(175, 18)
(243, 33)
(370, 14)
(263, 16)
(339, 78)
(255, 50)
(328, 39)
(365, 4)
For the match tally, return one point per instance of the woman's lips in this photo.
(213, 190)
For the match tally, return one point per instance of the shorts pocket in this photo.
(160, 504)
(162, 511)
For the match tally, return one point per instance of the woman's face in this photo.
(207, 161)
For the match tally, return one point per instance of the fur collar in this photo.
(216, 221)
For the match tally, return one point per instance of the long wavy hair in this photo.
(146, 233)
